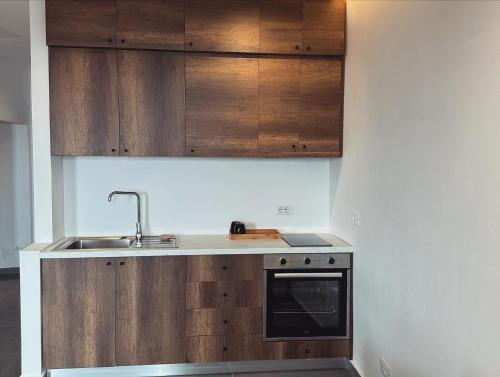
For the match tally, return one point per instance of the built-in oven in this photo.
(307, 296)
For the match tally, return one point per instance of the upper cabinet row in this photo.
(310, 27)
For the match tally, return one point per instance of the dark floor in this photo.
(10, 336)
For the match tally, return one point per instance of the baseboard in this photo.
(9, 273)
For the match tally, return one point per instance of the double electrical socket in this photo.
(384, 368)
(284, 210)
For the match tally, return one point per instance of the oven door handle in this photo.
(292, 275)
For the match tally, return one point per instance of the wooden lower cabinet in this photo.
(78, 313)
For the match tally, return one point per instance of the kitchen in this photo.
(327, 135)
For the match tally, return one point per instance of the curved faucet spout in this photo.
(138, 228)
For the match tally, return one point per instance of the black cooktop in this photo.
(304, 240)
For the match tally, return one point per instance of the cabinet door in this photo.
(151, 24)
(83, 102)
(279, 105)
(205, 349)
(152, 114)
(85, 23)
(78, 306)
(321, 107)
(221, 105)
(222, 25)
(150, 316)
(323, 27)
(281, 26)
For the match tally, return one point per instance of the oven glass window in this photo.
(305, 306)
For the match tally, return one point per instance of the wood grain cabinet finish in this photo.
(151, 93)
(228, 321)
(307, 349)
(221, 105)
(150, 315)
(223, 294)
(323, 27)
(281, 26)
(78, 306)
(85, 23)
(279, 105)
(83, 102)
(222, 25)
(232, 268)
(151, 24)
(321, 93)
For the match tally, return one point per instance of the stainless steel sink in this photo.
(100, 243)
(96, 243)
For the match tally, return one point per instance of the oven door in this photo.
(306, 304)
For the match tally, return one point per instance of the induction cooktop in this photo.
(304, 240)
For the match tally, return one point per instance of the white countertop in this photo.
(200, 245)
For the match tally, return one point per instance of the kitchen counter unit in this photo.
(203, 245)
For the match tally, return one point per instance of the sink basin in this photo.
(83, 244)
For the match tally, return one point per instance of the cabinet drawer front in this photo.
(204, 349)
(306, 349)
(202, 322)
(244, 267)
(206, 268)
(227, 294)
(224, 268)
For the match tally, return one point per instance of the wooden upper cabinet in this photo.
(323, 27)
(279, 105)
(152, 114)
(83, 102)
(150, 315)
(222, 25)
(85, 23)
(78, 306)
(221, 105)
(151, 24)
(281, 26)
(321, 106)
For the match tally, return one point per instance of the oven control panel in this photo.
(305, 261)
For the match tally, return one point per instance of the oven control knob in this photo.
(307, 261)
(283, 261)
(331, 260)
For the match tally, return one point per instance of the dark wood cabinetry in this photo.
(78, 306)
(321, 96)
(323, 27)
(222, 25)
(221, 105)
(86, 23)
(281, 26)
(151, 24)
(83, 102)
(150, 315)
(151, 93)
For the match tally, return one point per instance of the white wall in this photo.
(193, 195)
(15, 194)
(422, 164)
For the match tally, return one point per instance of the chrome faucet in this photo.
(138, 227)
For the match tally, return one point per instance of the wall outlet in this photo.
(384, 368)
(284, 210)
(355, 217)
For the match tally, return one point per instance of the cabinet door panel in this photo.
(206, 268)
(152, 114)
(281, 26)
(78, 306)
(83, 102)
(221, 105)
(323, 27)
(244, 267)
(321, 106)
(224, 294)
(222, 25)
(306, 349)
(279, 105)
(85, 23)
(243, 347)
(150, 319)
(151, 24)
